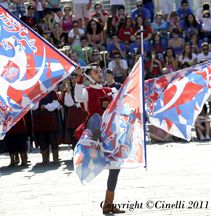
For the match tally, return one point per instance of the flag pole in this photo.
(142, 42)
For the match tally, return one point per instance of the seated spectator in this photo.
(176, 43)
(82, 54)
(96, 58)
(120, 16)
(125, 33)
(55, 7)
(158, 45)
(185, 65)
(174, 22)
(167, 8)
(137, 55)
(109, 81)
(184, 10)
(73, 55)
(154, 65)
(95, 35)
(100, 14)
(160, 135)
(149, 5)
(190, 25)
(57, 36)
(195, 43)
(140, 10)
(40, 6)
(29, 18)
(199, 12)
(159, 26)
(205, 53)
(187, 56)
(119, 67)
(37, 28)
(147, 34)
(169, 60)
(115, 46)
(75, 34)
(205, 33)
(164, 71)
(109, 29)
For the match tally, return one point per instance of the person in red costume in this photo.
(95, 99)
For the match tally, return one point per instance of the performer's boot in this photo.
(17, 160)
(44, 157)
(96, 135)
(12, 161)
(108, 204)
(23, 159)
(26, 157)
(55, 156)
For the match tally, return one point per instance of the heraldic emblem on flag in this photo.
(30, 68)
(174, 101)
(122, 130)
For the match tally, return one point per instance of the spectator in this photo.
(96, 58)
(184, 10)
(125, 33)
(140, 10)
(119, 67)
(160, 135)
(55, 7)
(149, 5)
(120, 16)
(185, 65)
(57, 36)
(190, 25)
(82, 54)
(18, 7)
(37, 28)
(167, 8)
(164, 71)
(195, 43)
(205, 53)
(115, 5)
(110, 80)
(109, 29)
(100, 14)
(174, 22)
(199, 12)
(73, 55)
(179, 2)
(29, 18)
(40, 6)
(4, 3)
(82, 8)
(115, 46)
(169, 60)
(158, 45)
(75, 34)
(154, 65)
(95, 35)
(160, 26)
(187, 56)
(176, 43)
(147, 34)
(205, 33)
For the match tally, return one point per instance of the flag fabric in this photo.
(30, 68)
(174, 101)
(122, 133)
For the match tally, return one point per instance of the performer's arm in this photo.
(36, 106)
(52, 106)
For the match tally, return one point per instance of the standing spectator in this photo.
(154, 65)
(75, 34)
(115, 4)
(40, 6)
(148, 4)
(184, 10)
(205, 33)
(109, 29)
(100, 14)
(55, 7)
(167, 8)
(169, 60)
(4, 3)
(120, 16)
(176, 43)
(82, 8)
(195, 43)
(158, 45)
(29, 18)
(190, 25)
(199, 12)
(18, 7)
(140, 10)
(119, 67)
(95, 35)
(187, 56)
(115, 46)
(57, 36)
(82, 54)
(205, 53)
(74, 56)
(110, 80)
(160, 26)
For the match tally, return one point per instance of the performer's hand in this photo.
(78, 70)
(42, 107)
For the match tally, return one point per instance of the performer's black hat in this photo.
(109, 71)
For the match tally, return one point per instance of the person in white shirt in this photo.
(205, 54)
(199, 12)
(115, 4)
(119, 67)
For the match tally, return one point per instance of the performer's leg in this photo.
(21, 148)
(52, 140)
(42, 143)
(11, 148)
(112, 179)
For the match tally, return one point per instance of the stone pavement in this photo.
(176, 172)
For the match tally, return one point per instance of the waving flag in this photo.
(30, 68)
(122, 130)
(174, 101)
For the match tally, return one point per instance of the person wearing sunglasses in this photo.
(75, 34)
(96, 58)
(142, 11)
(205, 53)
